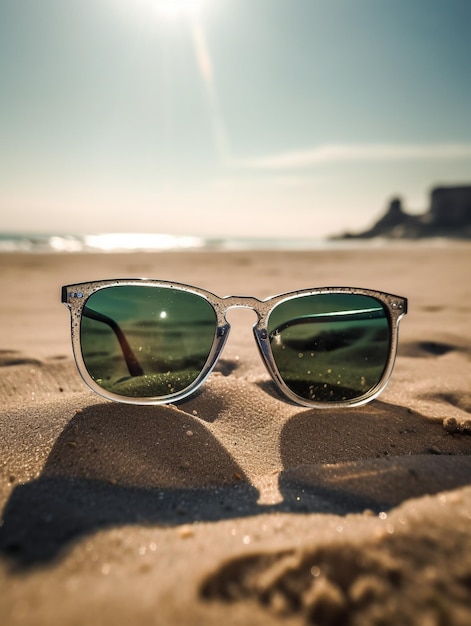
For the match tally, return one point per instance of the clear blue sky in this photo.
(229, 117)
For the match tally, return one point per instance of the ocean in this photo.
(148, 242)
(144, 242)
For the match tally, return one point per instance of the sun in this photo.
(178, 8)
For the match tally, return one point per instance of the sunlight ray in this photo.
(203, 59)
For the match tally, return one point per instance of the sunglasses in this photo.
(152, 342)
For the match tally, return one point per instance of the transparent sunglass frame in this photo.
(75, 297)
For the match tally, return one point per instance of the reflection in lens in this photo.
(142, 341)
(330, 347)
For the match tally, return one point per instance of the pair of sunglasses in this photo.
(152, 342)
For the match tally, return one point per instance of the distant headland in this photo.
(449, 215)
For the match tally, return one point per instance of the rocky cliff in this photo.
(449, 215)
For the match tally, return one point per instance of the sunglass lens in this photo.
(330, 347)
(146, 342)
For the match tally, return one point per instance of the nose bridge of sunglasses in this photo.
(241, 304)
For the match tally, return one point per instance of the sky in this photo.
(250, 118)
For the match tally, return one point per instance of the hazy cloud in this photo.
(342, 153)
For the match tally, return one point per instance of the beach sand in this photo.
(236, 506)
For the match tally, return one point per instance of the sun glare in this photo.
(178, 8)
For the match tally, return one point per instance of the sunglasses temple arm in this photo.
(319, 318)
(133, 365)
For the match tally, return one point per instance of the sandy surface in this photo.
(236, 507)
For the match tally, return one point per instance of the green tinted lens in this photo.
(147, 342)
(330, 347)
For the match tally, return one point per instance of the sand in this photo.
(235, 506)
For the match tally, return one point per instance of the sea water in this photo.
(144, 242)
(155, 242)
